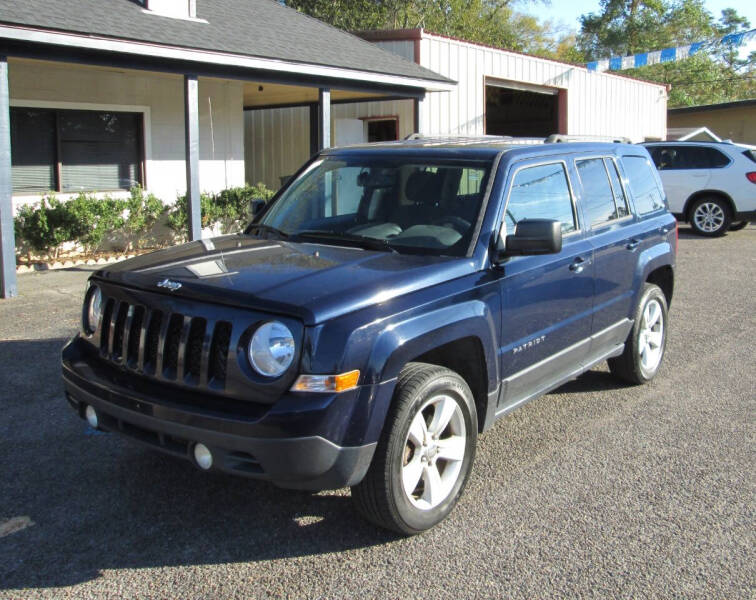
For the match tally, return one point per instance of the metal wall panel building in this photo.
(277, 140)
(596, 103)
(589, 103)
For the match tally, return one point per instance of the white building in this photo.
(498, 92)
(99, 96)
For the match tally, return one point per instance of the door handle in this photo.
(633, 244)
(665, 229)
(578, 265)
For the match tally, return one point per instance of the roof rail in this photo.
(555, 138)
(498, 139)
(559, 138)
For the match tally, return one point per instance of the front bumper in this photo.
(311, 442)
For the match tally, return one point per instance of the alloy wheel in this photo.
(709, 217)
(651, 336)
(433, 452)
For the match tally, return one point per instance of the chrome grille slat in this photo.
(207, 339)
(186, 349)
(160, 355)
(146, 316)
(106, 328)
(119, 323)
(152, 342)
(126, 333)
(181, 352)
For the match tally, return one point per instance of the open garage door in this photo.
(524, 110)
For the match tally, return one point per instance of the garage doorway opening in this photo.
(523, 110)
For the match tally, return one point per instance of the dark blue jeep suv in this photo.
(387, 306)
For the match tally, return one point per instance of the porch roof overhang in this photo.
(44, 44)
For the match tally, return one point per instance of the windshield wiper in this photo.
(362, 241)
(261, 227)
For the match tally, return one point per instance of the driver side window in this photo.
(541, 192)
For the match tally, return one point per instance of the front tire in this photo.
(425, 453)
(645, 346)
(710, 216)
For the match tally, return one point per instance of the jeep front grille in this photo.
(173, 347)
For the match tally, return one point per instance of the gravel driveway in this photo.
(595, 490)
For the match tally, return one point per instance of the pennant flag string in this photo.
(618, 63)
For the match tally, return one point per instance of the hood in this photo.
(314, 282)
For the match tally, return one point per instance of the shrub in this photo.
(96, 217)
(87, 220)
(230, 207)
(143, 210)
(45, 227)
(178, 217)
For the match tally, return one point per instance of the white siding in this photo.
(161, 99)
(404, 48)
(277, 140)
(597, 103)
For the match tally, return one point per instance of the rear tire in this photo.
(425, 453)
(710, 216)
(738, 225)
(646, 343)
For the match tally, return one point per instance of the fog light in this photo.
(91, 414)
(203, 456)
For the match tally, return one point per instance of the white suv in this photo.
(711, 185)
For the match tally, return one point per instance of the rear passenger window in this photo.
(641, 177)
(598, 199)
(681, 158)
(623, 209)
(541, 192)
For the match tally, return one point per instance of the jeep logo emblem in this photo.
(169, 285)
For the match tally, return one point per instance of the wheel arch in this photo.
(664, 277)
(459, 337)
(707, 193)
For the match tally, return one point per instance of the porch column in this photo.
(314, 129)
(191, 126)
(324, 118)
(8, 287)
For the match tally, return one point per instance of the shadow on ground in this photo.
(98, 502)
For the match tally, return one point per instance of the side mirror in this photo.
(256, 205)
(531, 237)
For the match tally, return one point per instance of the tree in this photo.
(625, 27)
(493, 22)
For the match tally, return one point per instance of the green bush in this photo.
(143, 213)
(45, 227)
(96, 217)
(229, 207)
(85, 219)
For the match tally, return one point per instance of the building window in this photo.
(382, 130)
(75, 150)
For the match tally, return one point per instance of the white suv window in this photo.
(646, 193)
(678, 158)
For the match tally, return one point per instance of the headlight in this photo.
(271, 349)
(93, 309)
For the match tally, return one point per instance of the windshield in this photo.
(398, 204)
